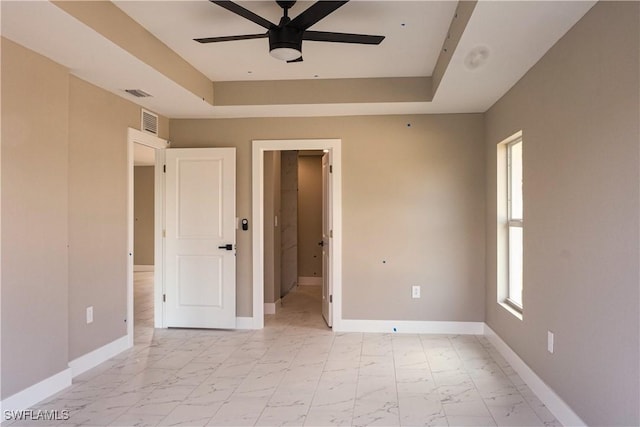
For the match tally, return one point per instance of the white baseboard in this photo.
(245, 323)
(410, 326)
(94, 358)
(310, 281)
(45, 388)
(36, 393)
(272, 307)
(143, 268)
(552, 401)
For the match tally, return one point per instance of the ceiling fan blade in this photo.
(232, 38)
(315, 13)
(323, 36)
(295, 60)
(245, 13)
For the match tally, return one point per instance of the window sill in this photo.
(510, 309)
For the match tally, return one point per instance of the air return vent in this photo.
(149, 122)
(137, 92)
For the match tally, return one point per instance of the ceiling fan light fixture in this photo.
(285, 43)
(285, 53)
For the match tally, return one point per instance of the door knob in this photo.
(228, 247)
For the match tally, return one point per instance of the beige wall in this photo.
(143, 212)
(413, 196)
(34, 218)
(578, 109)
(309, 216)
(98, 124)
(323, 91)
(64, 216)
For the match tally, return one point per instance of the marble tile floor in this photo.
(296, 371)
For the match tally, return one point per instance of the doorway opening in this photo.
(293, 232)
(144, 161)
(325, 261)
(145, 156)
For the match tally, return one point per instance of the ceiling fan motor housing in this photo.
(285, 38)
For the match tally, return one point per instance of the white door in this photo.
(327, 289)
(200, 262)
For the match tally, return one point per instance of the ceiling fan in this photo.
(285, 39)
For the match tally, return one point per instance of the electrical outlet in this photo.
(415, 291)
(89, 314)
(550, 342)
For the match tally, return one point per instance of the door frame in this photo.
(134, 136)
(257, 201)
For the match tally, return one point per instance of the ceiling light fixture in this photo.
(285, 53)
(285, 43)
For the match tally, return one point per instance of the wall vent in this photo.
(149, 122)
(137, 93)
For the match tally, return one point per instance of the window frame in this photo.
(506, 221)
(511, 221)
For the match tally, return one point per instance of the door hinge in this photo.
(331, 234)
(164, 233)
(164, 168)
(164, 297)
(330, 168)
(330, 298)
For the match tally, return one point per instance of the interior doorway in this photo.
(145, 150)
(261, 246)
(144, 161)
(293, 228)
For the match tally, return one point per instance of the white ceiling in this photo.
(515, 34)
(414, 32)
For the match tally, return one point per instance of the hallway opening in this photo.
(293, 228)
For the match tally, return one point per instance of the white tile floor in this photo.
(296, 371)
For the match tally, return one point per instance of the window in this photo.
(514, 206)
(510, 224)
